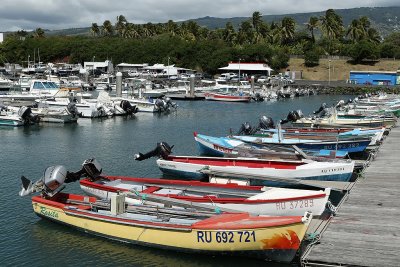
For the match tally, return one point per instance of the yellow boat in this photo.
(198, 231)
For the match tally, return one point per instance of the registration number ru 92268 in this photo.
(225, 236)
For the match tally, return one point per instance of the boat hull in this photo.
(272, 243)
(258, 201)
(226, 98)
(260, 173)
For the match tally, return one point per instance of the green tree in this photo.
(363, 50)
(279, 59)
(120, 24)
(332, 25)
(107, 28)
(312, 25)
(311, 57)
(95, 29)
(39, 33)
(288, 27)
(245, 34)
(355, 31)
(229, 34)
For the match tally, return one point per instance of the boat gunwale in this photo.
(238, 200)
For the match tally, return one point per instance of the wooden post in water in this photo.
(192, 85)
(252, 84)
(119, 83)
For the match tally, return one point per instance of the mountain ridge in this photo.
(384, 19)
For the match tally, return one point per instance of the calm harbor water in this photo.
(28, 240)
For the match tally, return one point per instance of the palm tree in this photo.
(312, 24)
(355, 31)
(172, 27)
(374, 36)
(288, 27)
(95, 29)
(107, 28)
(120, 24)
(193, 28)
(38, 33)
(246, 33)
(229, 34)
(256, 21)
(275, 33)
(332, 25)
(130, 31)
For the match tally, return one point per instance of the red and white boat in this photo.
(227, 97)
(256, 200)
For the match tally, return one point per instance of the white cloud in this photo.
(61, 14)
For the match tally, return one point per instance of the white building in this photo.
(127, 67)
(248, 68)
(105, 66)
(1, 37)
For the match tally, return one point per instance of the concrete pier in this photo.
(366, 229)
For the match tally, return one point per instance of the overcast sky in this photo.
(62, 14)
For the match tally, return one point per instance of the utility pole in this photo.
(329, 72)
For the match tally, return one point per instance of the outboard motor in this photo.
(169, 103)
(266, 123)
(162, 150)
(160, 104)
(26, 114)
(322, 107)
(127, 107)
(258, 97)
(340, 104)
(54, 178)
(2, 107)
(293, 116)
(245, 129)
(71, 107)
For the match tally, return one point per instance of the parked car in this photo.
(263, 79)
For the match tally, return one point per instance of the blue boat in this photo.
(222, 146)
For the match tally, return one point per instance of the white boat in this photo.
(85, 109)
(105, 82)
(46, 114)
(39, 89)
(259, 171)
(10, 116)
(5, 83)
(256, 200)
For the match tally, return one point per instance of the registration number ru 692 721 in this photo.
(225, 236)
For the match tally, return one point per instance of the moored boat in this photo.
(191, 227)
(255, 200)
(227, 97)
(269, 238)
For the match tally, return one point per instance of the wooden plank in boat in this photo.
(215, 192)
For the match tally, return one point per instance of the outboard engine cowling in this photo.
(127, 107)
(71, 107)
(160, 104)
(245, 129)
(162, 150)
(291, 117)
(266, 123)
(258, 97)
(169, 102)
(26, 114)
(322, 107)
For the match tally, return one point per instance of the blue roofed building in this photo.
(375, 77)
